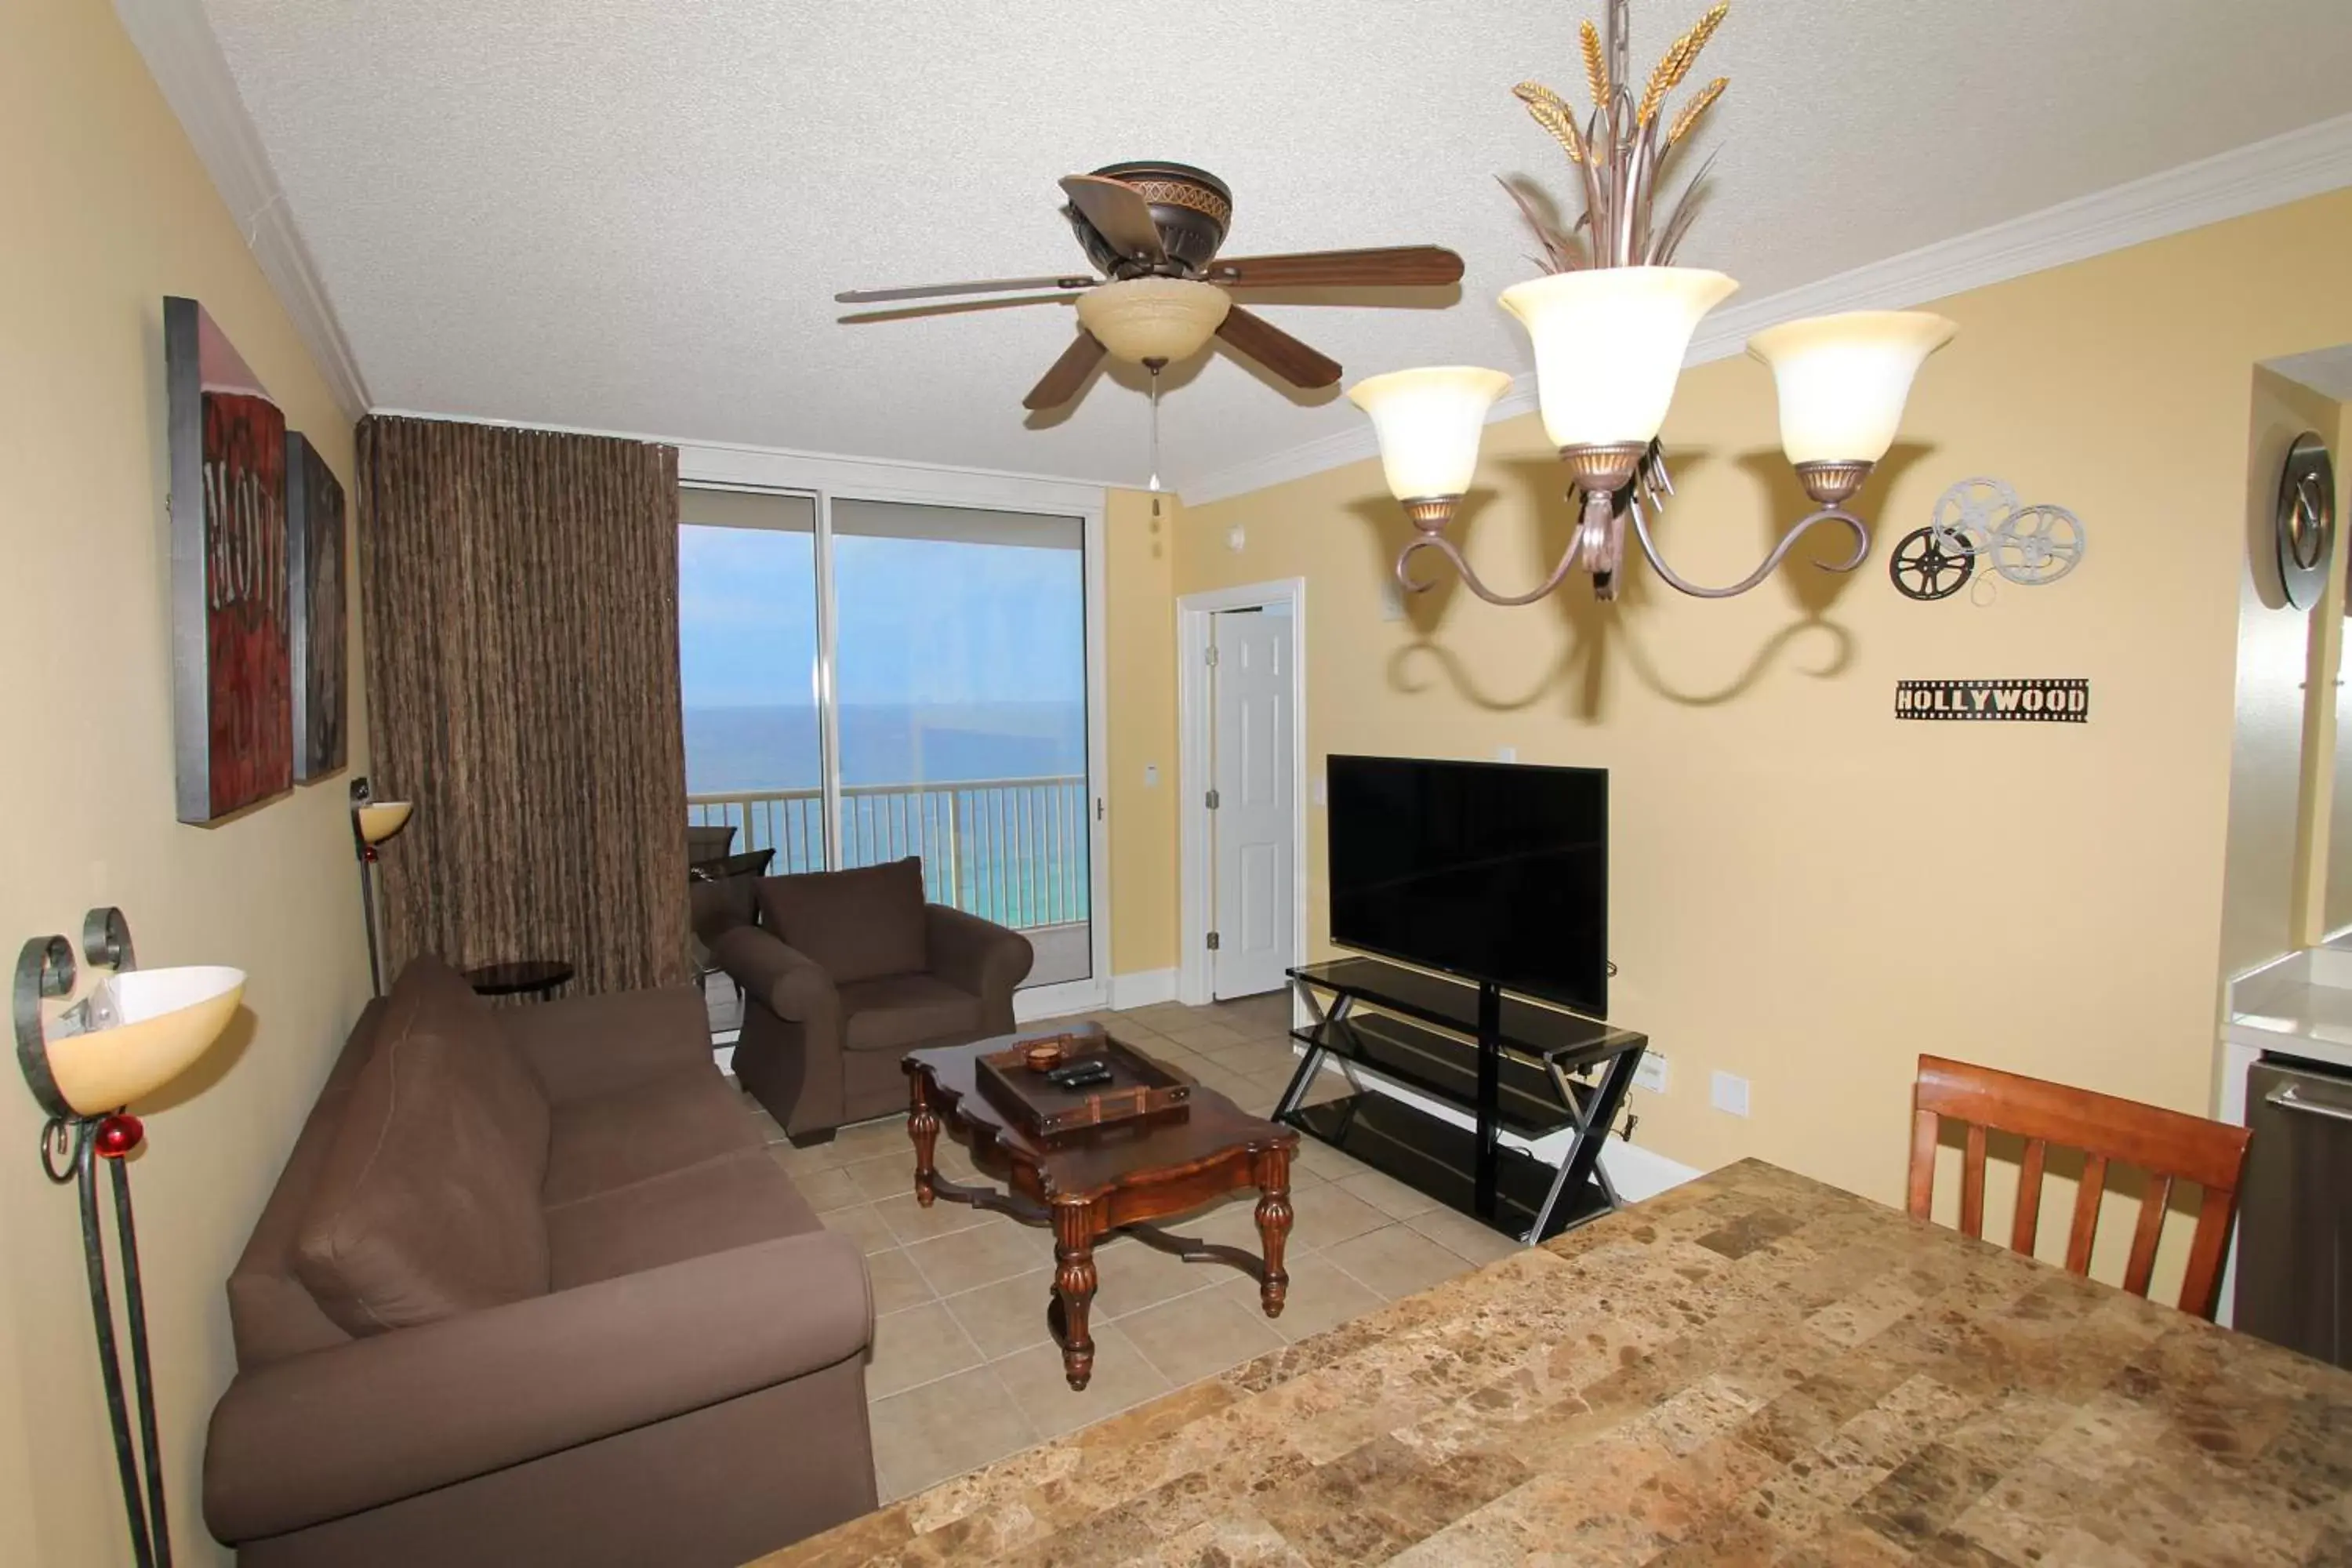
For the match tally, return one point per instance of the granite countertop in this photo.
(1752, 1368)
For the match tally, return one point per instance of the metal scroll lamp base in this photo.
(161, 1022)
(1626, 481)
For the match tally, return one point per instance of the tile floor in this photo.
(963, 1371)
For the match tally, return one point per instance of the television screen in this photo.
(1487, 870)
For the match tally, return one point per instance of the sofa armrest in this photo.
(583, 1046)
(334, 1431)
(981, 956)
(786, 980)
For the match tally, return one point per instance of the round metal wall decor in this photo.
(1967, 514)
(2037, 545)
(2303, 525)
(1980, 521)
(1923, 569)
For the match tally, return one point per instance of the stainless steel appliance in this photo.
(2294, 1226)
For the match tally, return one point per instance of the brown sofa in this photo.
(845, 971)
(531, 1289)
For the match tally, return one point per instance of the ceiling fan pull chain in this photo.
(1155, 441)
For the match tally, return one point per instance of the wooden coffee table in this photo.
(1103, 1181)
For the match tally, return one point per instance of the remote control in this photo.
(1079, 1075)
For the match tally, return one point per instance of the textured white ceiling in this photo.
(632, 215)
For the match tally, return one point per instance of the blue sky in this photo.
(921, 621)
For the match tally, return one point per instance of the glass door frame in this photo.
(824, 479)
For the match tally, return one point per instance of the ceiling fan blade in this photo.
(934, 290)
(1278, 349)
(1118, 213)
(1061, 384)
(1413, 266)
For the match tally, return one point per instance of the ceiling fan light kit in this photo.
(1154, 320)
(1610, 324)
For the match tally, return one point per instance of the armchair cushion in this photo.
(855, 925)
(428, 1205)
(905, 1010)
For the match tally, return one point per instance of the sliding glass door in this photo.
(867, 679)
(960, 669)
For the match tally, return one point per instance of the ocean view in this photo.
(774, 747)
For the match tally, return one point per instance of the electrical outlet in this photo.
(1729, 1091)
(1322, 792)
(1506, 753)
(1652, 1074)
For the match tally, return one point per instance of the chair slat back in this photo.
(2167, 1144)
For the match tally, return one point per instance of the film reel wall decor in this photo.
(1980, 523)
(2303, 524)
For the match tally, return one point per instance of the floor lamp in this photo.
(139, 1030)
(373, 822)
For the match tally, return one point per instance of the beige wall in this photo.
(2282, 747)
(108, 210)
(1806, 891)
(1139, 636)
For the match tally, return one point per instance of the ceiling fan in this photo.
(1153, 230)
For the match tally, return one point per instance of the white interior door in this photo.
(1249, 822)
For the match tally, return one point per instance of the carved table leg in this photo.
(1274, 1225)
(1073, 1289)
(923, 1127)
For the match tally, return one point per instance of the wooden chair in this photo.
(2167, 1144)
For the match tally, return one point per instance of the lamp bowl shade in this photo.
(1842, 379)
(1153, 318)
(1428, 422)
(381, 819)
(1609, 346)
(145, 1028)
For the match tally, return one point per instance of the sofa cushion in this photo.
(427, 1203)
(855, 925)
(905, 1010)
(649, 1129)
(734, 1200)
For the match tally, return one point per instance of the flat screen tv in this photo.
(1491, 871)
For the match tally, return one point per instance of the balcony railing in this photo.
(1008, 851)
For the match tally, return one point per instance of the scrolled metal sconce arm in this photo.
(1613, 483)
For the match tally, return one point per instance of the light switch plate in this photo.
(1652, 1074)
(1729, 1091)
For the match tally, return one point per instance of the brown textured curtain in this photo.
(521, 593)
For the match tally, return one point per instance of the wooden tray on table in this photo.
(1140, 1087)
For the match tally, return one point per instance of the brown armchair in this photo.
(843, 973)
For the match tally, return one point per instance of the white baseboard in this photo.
(1143, 988)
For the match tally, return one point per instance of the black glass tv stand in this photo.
(1510, 1064)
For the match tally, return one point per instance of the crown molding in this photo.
(750, 465)
(184, 58)
(2300, 163)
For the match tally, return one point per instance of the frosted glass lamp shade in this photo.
(1153, 318)
(1842, 379)
(141, 1029)
(1609, 345)
(381, 819)
(1428, 422)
